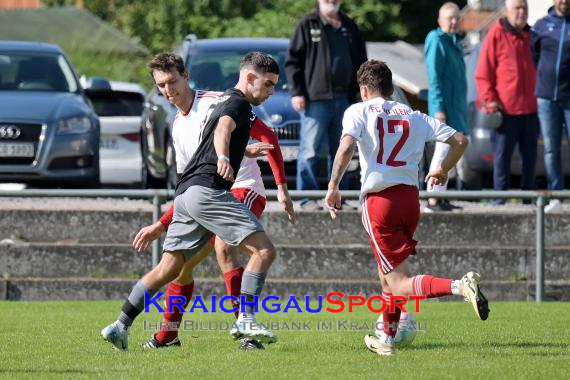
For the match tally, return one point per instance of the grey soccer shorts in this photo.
(201, 212)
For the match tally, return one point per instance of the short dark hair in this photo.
(259, 62)
(166, 62)
(377, 76)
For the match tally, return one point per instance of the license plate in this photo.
(109, 143)
(16, 150)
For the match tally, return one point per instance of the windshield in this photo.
(219, 70)
(24, 71)
(116, 103)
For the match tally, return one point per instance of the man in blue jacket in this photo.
(551, 53)
(447, 96)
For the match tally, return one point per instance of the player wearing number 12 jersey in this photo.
(391, 138)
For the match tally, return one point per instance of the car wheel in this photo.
(147, 179)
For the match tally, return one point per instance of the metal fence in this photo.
(159, 196)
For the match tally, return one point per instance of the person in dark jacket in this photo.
(506, 79)
(551, 53)
(325, 52)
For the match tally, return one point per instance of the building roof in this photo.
(68, 27)
(406, 62)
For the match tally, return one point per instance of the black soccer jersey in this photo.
(203, 167)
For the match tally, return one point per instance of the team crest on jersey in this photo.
(223, 98)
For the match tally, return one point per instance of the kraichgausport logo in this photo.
(333, 302)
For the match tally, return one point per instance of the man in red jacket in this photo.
(506, 78)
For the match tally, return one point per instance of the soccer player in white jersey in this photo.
(391, 138)
(194, 107)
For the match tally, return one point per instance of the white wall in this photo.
(537, 9)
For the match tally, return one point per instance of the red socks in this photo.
(174, 318)
(390, 320)
(233, 285)
(430, 286)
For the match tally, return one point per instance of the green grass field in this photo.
(61, 340)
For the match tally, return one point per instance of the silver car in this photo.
(49, 132)
(119, 106)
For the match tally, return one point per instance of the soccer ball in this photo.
(404, 337)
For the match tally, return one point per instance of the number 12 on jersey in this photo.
(392, 123)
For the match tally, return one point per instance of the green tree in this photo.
(162, 25)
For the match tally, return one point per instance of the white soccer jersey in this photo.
(249, 176)
(187, 133)
(391, 138)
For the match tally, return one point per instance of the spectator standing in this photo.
(447, 97)
(325, 52)
(505, 79)
(551, 52)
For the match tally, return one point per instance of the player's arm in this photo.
(260, 131)
(148, 234)
(342, 159)
(458, 144)
(222, 134)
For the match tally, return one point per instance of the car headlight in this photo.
(275, 119)
(73, 125)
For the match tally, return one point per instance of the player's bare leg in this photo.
(400, 283)
(233, 273)
(427, 285)
(182, 285)
(167, 270)
(262, 253)
(226, 255)
(383, 343)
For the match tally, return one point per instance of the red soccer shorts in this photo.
(253, 201)
(390, 218)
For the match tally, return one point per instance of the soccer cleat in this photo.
(250, 344)
(152, 343)
(118, 337)
(247, 327)
(384, 346)
(473, 294)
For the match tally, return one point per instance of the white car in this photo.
(119, 106)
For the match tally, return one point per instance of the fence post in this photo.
(155, 216)
(540, 248)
